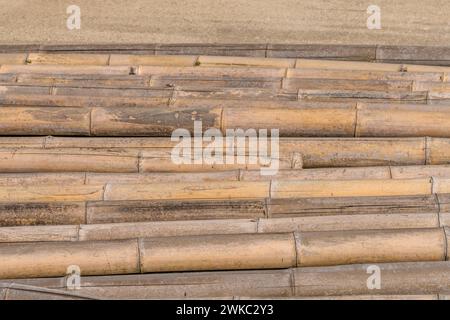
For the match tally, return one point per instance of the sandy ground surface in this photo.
(406, 22)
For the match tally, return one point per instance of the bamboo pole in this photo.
(42, 213)
(44, 121)
(65, 69)
(146, 60)
(53, 258)
(51, 193)
(217, 252)
(399, 280)
(222, 61)
(346, 188)
(180, 191)
(133, 230)
(172, 210)
(68, 59)
(338, 248)
(68, 160)
(354, 74)
(367, 120)
(295, 84)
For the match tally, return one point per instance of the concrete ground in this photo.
(406, 22)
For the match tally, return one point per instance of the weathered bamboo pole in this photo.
(221, 61)
(98, 212)
(53, 259)
(226, 190)
(345, 188)
(65, 69)
(42, 213)
(222, 252)
(426, 207)
(339, 248)
(44, 121)
(427, 77)
(411, 279)
(133, 230)
(68, 160)
(366, 120)
(51, 193)
(68, 59)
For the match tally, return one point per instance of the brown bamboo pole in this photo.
(396, 278)
(396, 121)
(216, 190)
(68, 59)
(65, 69)
(338, 248)
(46, 100)
(172, 210)
(346, 65)
(413, 279)
(53, 258)
(295, 84)
(241, 72)
(423, 208)
(12, 58)
(370, 121)
(294, 121)
(222, 252)
(346, 188)
(133, 230)
(42, 213)
(355, 74)
(418, 97)
(217, 252)
(68, 160)
(339, 173)
(44, 121)
(55, 81)
(347, 173)
(354, 205)
(51, 193)
(39, 178)
(147, 60)
(149, 121)
(265, 283)
(294, 153)
(223, 61)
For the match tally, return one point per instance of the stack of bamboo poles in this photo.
(87, 177)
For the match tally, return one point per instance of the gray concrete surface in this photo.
(406, 22)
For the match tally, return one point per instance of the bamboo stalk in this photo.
(172, 210)
(51, 193)
(222, 252)
(68, 160)
(397, 121)
(346, 188)
(53, 258)
(68, 59)
(12, 58)
(354, 74)
(65, 69)
(236, 72)
(222, 61)
(346, 65)
(133, 230)
(180, 191)
(42, 213)
(338, 248)
(146, 60)
(44, 121)
(217, 252)
(397, 279)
